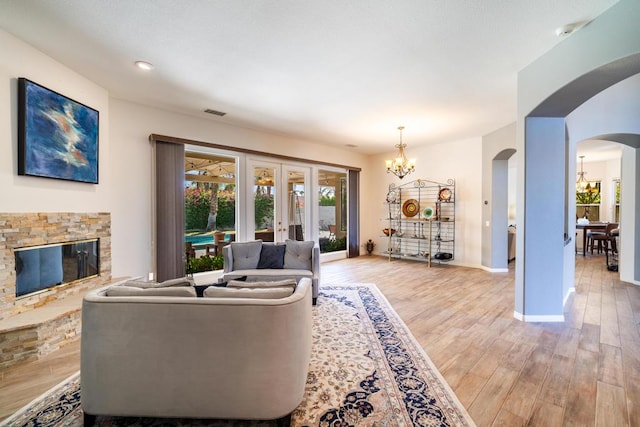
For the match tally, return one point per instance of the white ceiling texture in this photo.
(343, 72)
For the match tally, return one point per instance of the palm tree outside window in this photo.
(588, 202)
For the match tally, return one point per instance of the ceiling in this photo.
(598, 150)
(346, 73)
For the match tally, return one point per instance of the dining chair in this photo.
(603, 238)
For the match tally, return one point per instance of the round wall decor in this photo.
(445, 195)
(410, 208)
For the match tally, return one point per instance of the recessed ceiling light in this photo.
(144, 65)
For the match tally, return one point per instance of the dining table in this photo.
(598, 226)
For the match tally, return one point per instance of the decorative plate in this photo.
(392, 197)
(443, 256)
(428, 213)
(444, 195)
(410, 208)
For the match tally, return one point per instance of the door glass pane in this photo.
(295, 205)
(210, 207)
(332, 187)
(264, 192)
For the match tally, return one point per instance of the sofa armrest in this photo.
(315, 262)
(227, 256)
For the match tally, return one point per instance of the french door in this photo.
(278, 201)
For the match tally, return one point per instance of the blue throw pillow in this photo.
(271, 256)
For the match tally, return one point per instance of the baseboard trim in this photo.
(494, 270)
(566, 298)
(332, 256)
(538, 318)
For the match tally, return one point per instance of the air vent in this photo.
(215, 112)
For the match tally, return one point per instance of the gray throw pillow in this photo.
(298, 255)
(180, 281)
(258, 293)
(246, 254)
(271, 256)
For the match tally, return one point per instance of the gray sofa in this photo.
(258, 261)
(151, 354)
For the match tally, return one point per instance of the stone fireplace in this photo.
(40, 322)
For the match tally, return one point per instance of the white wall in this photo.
(125, 160)
(605, 172)
(125, 187)
(34, 194)
(513, 176)
(131, 125)
(459, 160)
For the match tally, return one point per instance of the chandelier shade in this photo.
(400, 166)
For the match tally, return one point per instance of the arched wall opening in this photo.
(629, 219)
(498, 152)
(605, 52)
(500, 210)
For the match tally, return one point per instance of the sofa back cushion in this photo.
(261, 293)
(291, 283)
(298, 255)
(271, 256)
(132, 291)
(141, 283)
(246, 255)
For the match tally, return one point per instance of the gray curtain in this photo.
(170, 250)
(354, 213)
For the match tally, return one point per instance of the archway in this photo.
(500, 210)
(629, 244)
(591, 61)
(550, 142)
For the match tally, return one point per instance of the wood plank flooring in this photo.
(583, 372)
(20, 384)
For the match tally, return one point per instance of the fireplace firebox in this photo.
(42, 267)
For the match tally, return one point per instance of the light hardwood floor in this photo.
(583, 372)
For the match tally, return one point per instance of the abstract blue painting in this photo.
(57, 136)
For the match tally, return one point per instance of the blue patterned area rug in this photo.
(366, 370)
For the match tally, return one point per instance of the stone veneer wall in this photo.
(31, 229)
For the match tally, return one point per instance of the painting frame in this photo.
(58, 137)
